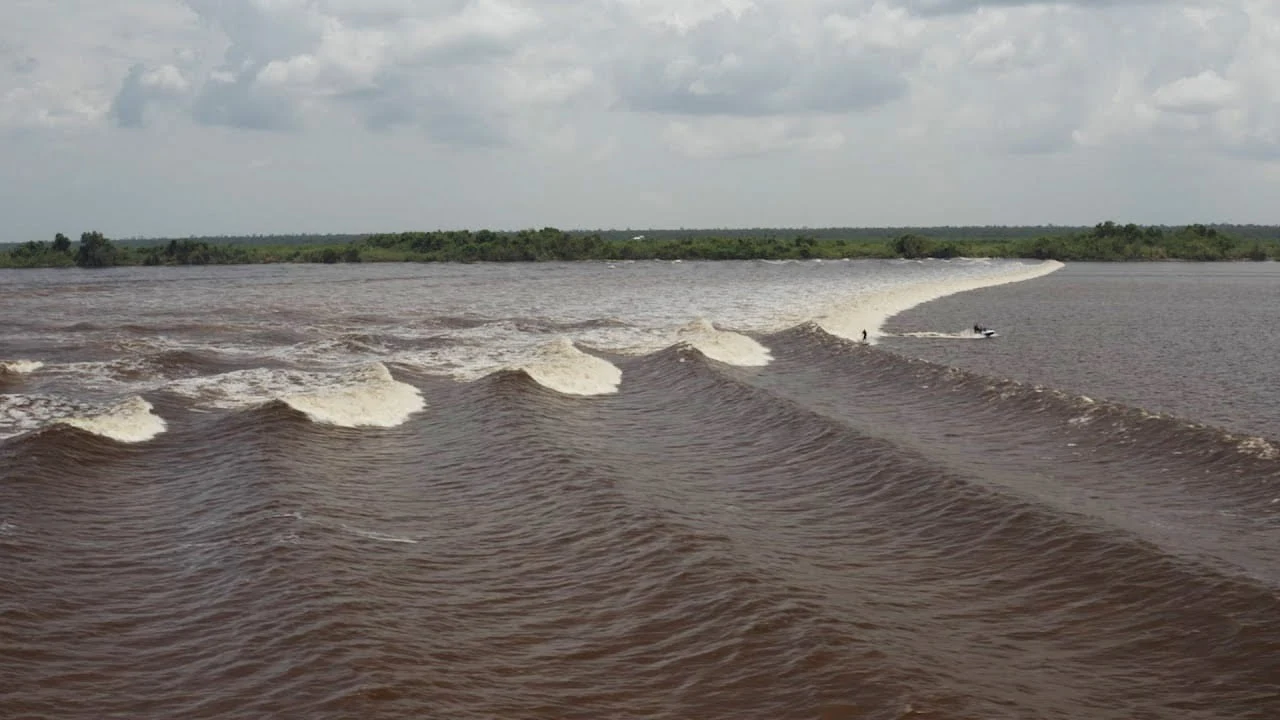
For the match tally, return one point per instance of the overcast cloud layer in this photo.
(155, 117)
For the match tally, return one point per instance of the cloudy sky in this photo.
(157, 117)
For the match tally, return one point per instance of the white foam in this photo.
(24, 413)
(244, 388)
(870, 310)
(727, 347)
(1259, 448)
(128, 421)
(370, 397)
(564, 368)
(365, 397)
(20, 367)
(966, 334)
(131, 421)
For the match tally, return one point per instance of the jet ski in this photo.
(983, 332)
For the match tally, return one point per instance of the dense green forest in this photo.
(1106, 241)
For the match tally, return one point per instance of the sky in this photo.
(199, 117)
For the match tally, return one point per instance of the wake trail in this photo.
(869, 311)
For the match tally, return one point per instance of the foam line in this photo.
(870, 311)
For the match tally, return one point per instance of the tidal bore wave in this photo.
(783, 524)
(696, 544)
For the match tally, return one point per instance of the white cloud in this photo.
(880, 27)
(392, 63)
(1125, 113)
(948, 93)
(1000, 55)
(43, 105)
(142, 87)
(942, 7)
(685, 15)
(1203, 93)
(730, 137)
(481, 27)
(63, 62)
(546, 84)
(166, 79)
(768, 59)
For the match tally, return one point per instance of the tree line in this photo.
(1106, 241)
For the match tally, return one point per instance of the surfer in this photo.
(864, 336)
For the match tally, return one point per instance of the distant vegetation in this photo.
(1106, 241)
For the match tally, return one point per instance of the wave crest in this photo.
(564, 368)
(727, 347)
(369, 397)
(870, 311)
(130, 421)
(19, 367)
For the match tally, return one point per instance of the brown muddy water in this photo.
(641, 490)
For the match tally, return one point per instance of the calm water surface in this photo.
(1198, 340)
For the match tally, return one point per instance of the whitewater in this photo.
(342, 373)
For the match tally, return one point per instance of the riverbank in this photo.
(1104, 242)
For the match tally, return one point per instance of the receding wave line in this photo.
(870, 311)
(1111, 419)
(729, 348)
(564, 368)
(905, 482)
(1010, 400)
(929, 484)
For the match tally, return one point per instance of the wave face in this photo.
(369, 398)
(562, 367)
(727, 347)
(130, 420)
(641, 490)
(19, 367)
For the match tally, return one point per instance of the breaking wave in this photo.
(869, 310)
(365, 397)
(20, 367)
(368, 397)
(728, 347)
(130, 421)
(562, 367)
